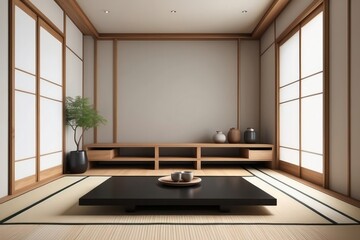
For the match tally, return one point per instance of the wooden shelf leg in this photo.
(156, 167)
(198, 158)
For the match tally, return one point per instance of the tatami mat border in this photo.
(40, 201)
(336, 210)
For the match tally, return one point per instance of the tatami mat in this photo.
(63, 208)
(27, 199)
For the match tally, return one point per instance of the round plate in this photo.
(168, 181)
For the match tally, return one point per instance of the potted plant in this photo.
(80, 114)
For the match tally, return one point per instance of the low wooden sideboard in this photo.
(179, 152)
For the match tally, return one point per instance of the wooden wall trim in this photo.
(172, 36)
(238, 84)
(77, 15)
(12, 99)
(349, 95)
(269, 17)
(95, 85)
(64, 97)
(326, 90)
(115, 76)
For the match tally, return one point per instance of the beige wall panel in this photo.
(74, 38)
(52, 11)
(74, 85)
(89, 80)
(339, 139)
(355, 99)
(267, 97)
(290, 13)
(4, 94)
(176, 91)
(249, 85)
(104, 90)
(267, 38)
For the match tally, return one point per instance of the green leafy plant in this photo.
(81, 114)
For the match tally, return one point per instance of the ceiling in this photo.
(192, 16)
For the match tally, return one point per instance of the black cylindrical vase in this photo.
(250, 135)
(77, 162)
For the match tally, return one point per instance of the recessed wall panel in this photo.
(338, 100)
(175, 91)
(267, 97)
(104, 90)
(355, 100)
(89, 45)
(249, 85)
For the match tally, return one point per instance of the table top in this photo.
(146, 191)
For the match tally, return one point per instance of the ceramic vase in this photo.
(250, 135)
(234, 135)
(219, 137)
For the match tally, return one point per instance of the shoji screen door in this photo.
(50, 102)
(301, 106)
(24, 100)
(37, 110)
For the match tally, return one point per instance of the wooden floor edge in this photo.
(329, 192)
(42, 183)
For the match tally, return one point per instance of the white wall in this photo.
(4, 87)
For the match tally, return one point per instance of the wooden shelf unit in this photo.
(179, 152)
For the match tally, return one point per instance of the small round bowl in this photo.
(176, 176)
(187, 176)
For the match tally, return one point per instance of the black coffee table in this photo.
(147, 191)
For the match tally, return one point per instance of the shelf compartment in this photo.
(100, 154)
(257, 154)
(224, 159)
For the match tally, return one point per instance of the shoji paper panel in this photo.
(50, 57)
(25, 168)
(52, 11)
(24, 105)
(51, 126)
(74, 38)
(51, 106)
(25, 125)
(25, 37)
